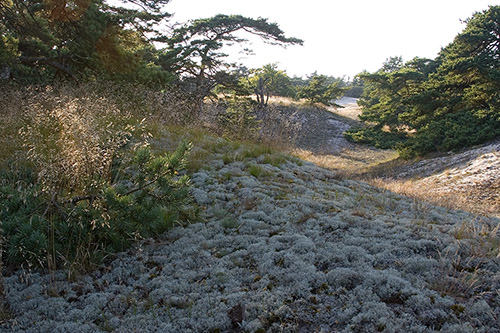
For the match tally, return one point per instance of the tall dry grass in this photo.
(71, 141)
(69, 137)
(105, 102)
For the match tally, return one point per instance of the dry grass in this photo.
(350, 162)
(69, 138)
(71, 141)
(104, 102)
(279, 100)
(483, 239)
(12, 101)
(467, 180)
(349, 111)
(452, 199)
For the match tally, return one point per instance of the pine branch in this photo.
(31, 61)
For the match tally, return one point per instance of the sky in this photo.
(341, 37)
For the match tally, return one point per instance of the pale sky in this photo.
(342, 37)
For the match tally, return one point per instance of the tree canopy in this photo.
(268, 81)
(84, 39)
(77, 38)
(443, 104)
(195, 49)
(318, 90)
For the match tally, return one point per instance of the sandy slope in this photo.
(316, 135)
(468, 179)
(474, 174)
(294, 250)
(350, 108)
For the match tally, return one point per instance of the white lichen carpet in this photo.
(292, 250)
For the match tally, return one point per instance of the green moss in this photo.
(457, 309)
(229, 223)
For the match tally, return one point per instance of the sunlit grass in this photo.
(427, 192)
(349, 162)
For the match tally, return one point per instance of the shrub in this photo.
(375, 137)
(239, 120)
(319, 91)
(148, 197)
(452, 132)
(83, 183)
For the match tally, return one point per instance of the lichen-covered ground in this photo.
(285, 246)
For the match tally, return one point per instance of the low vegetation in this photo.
(81, 180)
(301, 249)
(87, 171)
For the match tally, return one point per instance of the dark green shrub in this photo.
(375, 137)
(319, 91)
(148, 197)
(453, 131)
(239, 120)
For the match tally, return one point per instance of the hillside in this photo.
(315, 134)
(469, 179)
(465, 180)
(284, 246)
